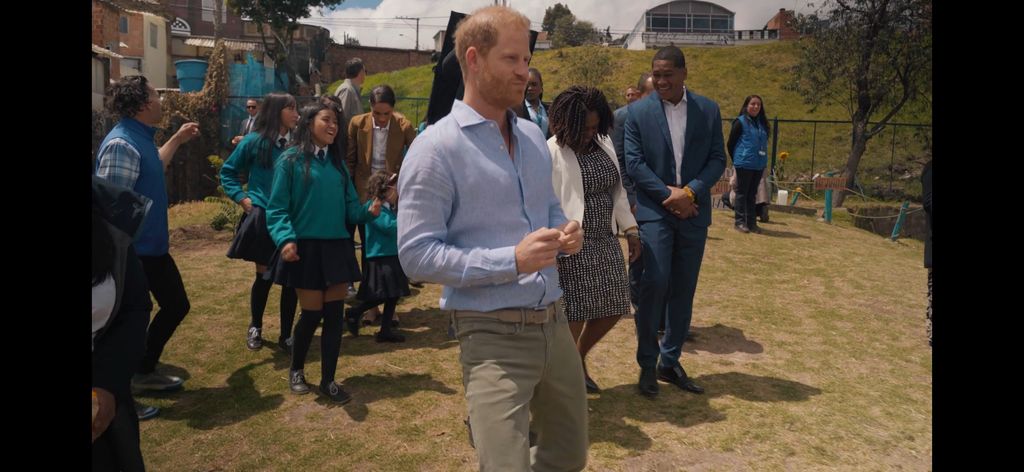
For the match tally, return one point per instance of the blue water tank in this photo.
(191, 74)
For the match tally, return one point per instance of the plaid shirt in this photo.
(119, 163)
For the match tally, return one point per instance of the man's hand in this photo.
(235, 140)
(290, 252)
(679, 203)
(187, 132)
(538, 250)
(572, 238)
(635, 247)
(105, 414)
(246, 204)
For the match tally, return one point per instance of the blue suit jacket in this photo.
(617, 134)
(650, 161)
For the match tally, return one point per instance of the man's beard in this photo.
(497, 91)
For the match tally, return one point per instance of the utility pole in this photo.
(417, 28)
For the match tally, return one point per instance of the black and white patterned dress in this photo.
(593, 281)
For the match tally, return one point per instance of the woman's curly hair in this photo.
(567, 116)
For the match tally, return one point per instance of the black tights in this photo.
(389, 311)
(258, 303)
(330, 338)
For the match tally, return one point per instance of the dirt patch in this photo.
(198, 237)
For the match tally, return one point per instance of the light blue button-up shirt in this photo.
(465, 204)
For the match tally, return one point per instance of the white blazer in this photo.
(567, 180)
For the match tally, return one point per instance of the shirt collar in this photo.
(385, 127)
(287, 137)
(317, 149)
(466, 116)
(681, 102)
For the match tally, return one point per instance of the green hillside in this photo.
(727, 75)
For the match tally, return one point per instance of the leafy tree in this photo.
(552, 14)
(281, 18)
(872, 57)
(570, 32)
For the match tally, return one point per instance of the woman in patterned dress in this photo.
(586, 178)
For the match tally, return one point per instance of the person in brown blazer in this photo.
(377, 141)
(366, 131)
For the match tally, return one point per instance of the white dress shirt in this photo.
(380, 146)
(676, 117)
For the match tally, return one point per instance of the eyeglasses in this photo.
(250, 107)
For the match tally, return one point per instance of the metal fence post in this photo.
(814, 142)
(775, 141)
(892, 157)
(899, 220)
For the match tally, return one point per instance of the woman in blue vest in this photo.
(255, 155)
(311, 200)
(748, 146)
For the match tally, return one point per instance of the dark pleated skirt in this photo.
(252, 241)
(384, 279)
(322, 263)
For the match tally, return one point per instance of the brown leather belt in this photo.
(513, 315)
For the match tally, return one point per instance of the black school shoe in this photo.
(254, 340)
(297, 382)
(335, 393)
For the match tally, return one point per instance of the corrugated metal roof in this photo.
(232, 44)
(106, 52)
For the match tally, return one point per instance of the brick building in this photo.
(376, 59)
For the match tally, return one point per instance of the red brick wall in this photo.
(134, 37)
(104, 24)
(376, 60)
(782, 21)
(104, 32)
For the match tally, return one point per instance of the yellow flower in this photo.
(783, 155)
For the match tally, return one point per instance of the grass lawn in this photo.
(810, 341)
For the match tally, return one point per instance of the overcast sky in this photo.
(373, 21)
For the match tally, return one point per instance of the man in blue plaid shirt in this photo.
(128, 156)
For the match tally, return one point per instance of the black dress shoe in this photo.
(677, 376)
(591, 385)
(648, 383)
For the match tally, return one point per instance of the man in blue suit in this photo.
(674, 154)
